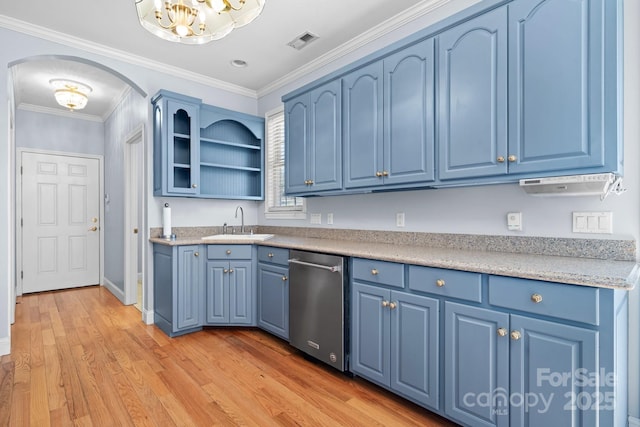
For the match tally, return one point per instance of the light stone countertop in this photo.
(573, 270)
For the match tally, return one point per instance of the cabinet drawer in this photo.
(228, 251)
(273, 255)
(450, 283)
(570, 302)
(380, 272)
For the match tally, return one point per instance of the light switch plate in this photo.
(593, 222)
(400, 219)
(316, 218)
(329, 219)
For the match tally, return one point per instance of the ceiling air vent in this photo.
(302, 40)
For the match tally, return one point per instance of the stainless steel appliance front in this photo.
(317, 306)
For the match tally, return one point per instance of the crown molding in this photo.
(357, 42)
(76, 42)
(59, 112)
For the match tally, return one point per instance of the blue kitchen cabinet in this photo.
(231, 154)
(178, 284)
(205, 151)
(476, 360)
(563, 95)
(176, 144)
(529, 358)
(395, 341)
(273, 290)
(313, 140)
(363, 124)
(389, 119)
(229, 285)
(472, 115)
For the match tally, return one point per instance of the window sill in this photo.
(298, 215)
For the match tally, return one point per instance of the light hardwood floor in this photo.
(79, 357)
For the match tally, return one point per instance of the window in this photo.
(277, 204)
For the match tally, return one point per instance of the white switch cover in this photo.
(514, 221)
(316, 218)
(400, 219)
(330, 219)
(593, 222)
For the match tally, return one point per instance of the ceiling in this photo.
(262, 43)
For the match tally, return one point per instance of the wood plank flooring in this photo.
(79, 357)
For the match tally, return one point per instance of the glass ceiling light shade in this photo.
(70, 94)
(196, 21)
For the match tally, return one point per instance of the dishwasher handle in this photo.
(333, 269)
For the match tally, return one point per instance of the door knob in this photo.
(94, 228)
(502, 332)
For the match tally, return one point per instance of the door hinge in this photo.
(22, 274)
(21, 169)
(21, 222)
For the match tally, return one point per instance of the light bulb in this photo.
(218, 5)
(182, 30)
(158, 4)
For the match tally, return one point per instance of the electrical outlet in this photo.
(514, 221)
(400, 219)
(330, 219)
(316, 218)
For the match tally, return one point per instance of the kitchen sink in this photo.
(248, 237)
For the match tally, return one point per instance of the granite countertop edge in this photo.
(599, 273)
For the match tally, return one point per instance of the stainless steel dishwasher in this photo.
(317, 302)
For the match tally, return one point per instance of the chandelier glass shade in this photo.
(196, 21)
(70, 94)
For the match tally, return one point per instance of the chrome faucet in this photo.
(242, 218)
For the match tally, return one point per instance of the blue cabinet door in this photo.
(409, 115)
(555, 367)
(363, 123)
(273, 299)
(188, 299)
(182, 144)
(556, 85)
(476, 359)
(217, 292)
(325, 155)
(370, 333)
(240, 292)
(414, 347)
(296, 144)
(472, 116)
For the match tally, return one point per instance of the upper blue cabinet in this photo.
(389, 120)
(502, 91)
(472, 79)
(205, 151)
(558, 93)
(313, 131)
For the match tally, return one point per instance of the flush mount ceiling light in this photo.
(70, 94)
(196, 21)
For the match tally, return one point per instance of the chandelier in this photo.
(196, 21)
(70, 94)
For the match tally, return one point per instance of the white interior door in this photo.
(60, 222)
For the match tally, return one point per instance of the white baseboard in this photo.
(147, 317)
(111, 287)
(5, 346)
(634, 422)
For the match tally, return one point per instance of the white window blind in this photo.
(278, 205)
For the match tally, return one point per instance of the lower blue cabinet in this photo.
(177, 288)
(394, 341)
(273, 299)
(229, 297)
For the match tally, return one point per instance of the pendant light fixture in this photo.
(196, 21)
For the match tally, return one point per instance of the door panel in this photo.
(217, 292)
(473, 97)
(61, 219)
